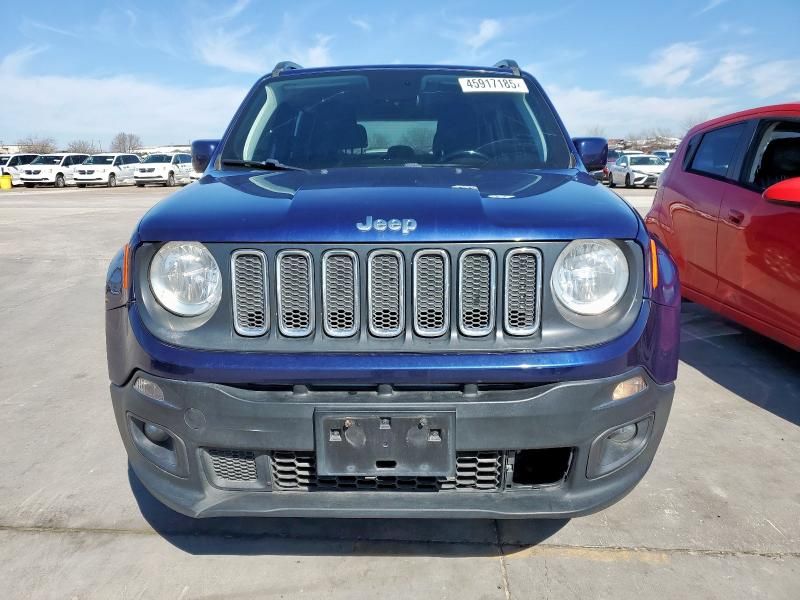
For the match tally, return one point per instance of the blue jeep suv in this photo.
(396, 291)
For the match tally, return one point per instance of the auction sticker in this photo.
(493, 84)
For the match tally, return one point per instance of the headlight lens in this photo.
(590, 276)
(185, 278)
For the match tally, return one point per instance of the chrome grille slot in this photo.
(249, 290)
(340, 291)
(431, 293)
(385, 293)
(476, 292)
(295, 293)
(522, 289)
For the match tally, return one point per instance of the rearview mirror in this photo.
(593, 152)
(784, 192)
(201, 153)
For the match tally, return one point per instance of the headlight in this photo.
(590, 276)
(185, 278)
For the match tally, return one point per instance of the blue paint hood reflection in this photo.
(449, 204)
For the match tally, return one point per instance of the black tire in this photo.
(140, 185)
(628, 181)
(29, 185)
(112, 180)
(81, 185)
(60, 182)
(646, 186)
(170, 179)
(611, 183)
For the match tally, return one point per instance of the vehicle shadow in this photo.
(337, 537)
(750, 365)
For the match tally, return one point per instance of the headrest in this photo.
(782, 157)
(355, 137)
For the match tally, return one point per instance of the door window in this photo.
(716, 150)
(776, 155)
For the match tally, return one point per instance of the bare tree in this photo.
(38, 145)
(596, 131)
(690, 121)
(126, 142)
(81, 147)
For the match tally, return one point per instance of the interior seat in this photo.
(781, 160)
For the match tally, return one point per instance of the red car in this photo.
(728, 209)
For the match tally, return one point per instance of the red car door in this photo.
(692, 199)
(758, 242)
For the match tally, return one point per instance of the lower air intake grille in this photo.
(481, 471)
(295, 293)
(250, 292)
(234, 465)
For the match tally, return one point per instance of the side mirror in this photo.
(201, 153)
(784, 192)
(593, 152)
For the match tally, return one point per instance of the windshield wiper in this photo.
(268, 165)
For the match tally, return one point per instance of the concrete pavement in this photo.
(718, 515)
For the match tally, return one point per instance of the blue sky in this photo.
(174, 71)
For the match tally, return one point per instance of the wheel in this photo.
(29, 185)
(170, 180)
(81, 185)
(140, 185)
(628, 180)
(646, 186)
(112, 180)
(60, 183)
(611, 183)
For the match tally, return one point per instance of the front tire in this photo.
(628, 181)
(611, 183)
(81, 185)
(60, 182)
(170, 180)
(140, 185)
(112, 180)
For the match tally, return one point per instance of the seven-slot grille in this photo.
(334, 277)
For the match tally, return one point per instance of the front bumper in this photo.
(150, 178)
(644, 179)
(203, 416)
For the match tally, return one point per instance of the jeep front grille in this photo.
(475, 470)
(386, 297)
(452, 293)
(249, 290)
(295, 293)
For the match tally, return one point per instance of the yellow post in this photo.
(5, 182)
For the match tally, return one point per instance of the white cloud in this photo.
(362, 24)
(710, 5)
(318, 55)
(759, 79)
(229, 49)
(95, 107)
(583, 109)
(488, 29)
(729, 71)
(670, 67)
(49, 28)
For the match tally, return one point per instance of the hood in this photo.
(345, 205)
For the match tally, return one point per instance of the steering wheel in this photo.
(465, 154)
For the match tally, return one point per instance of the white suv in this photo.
(164, 169)
(11, 164)
(54, 169)
(106, 169)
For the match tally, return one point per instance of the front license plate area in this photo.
(385, 444)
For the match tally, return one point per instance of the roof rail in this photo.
(507, 63)
(284, 65)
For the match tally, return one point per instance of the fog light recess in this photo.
(148, 388)
(629, 387)
(617, 447)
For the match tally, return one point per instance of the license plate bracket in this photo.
(385, 444)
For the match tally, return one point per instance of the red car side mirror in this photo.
(784, 192)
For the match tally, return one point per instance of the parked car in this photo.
(57, 169)
(106, 169)
(636, 169)
(460, 324)
(613, 156)
(665, 155)
(728, 209)
(11, 164)
(164, 169)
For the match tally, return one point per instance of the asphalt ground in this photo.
(717, 516)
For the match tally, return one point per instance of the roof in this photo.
(774, 109)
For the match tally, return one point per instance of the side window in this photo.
(117, 161)
(716, 149)
(15, 160)
(775, 156)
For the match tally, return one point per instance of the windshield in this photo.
(99, 160)
(646, 161)
(48, 160)
(399, 117)
(158, 158)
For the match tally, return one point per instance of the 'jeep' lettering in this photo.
(405, 226)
